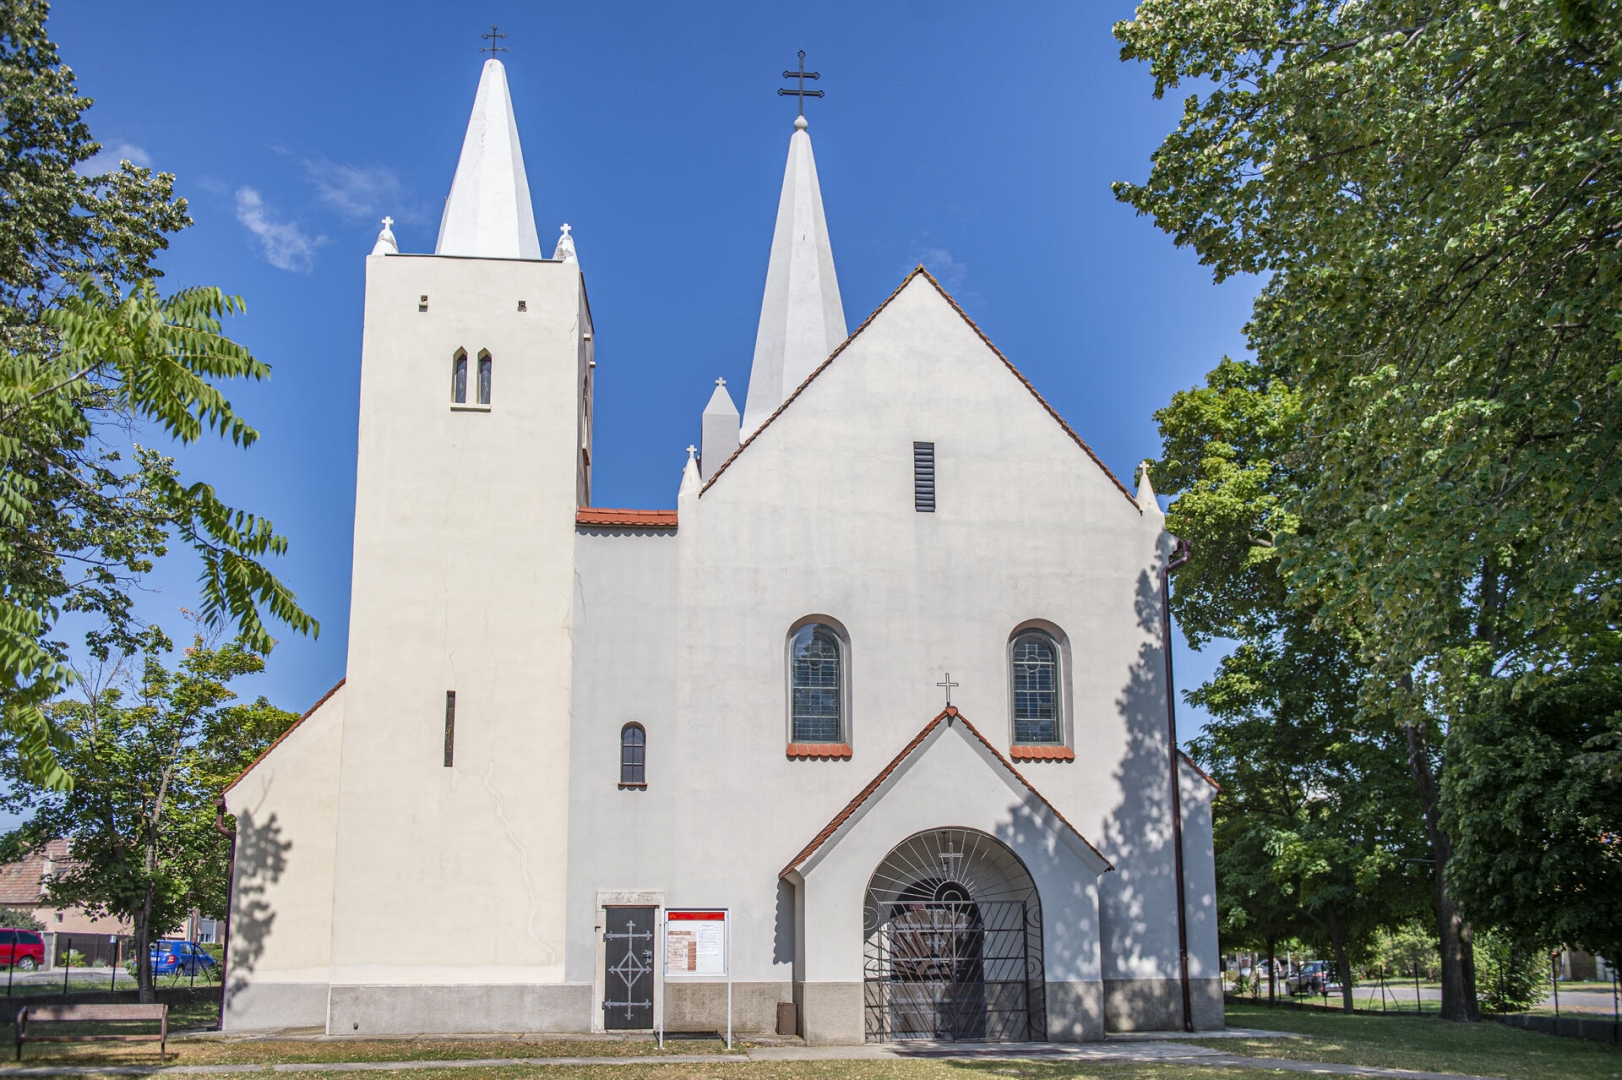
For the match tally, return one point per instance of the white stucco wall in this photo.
(281, 899)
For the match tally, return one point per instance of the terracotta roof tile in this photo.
(919, 270)
(819, 750)
(1042, 753)
(22, 883)
(907, 751)
(294, 727)
(625, 519)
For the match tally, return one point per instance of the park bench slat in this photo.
(59, 1014)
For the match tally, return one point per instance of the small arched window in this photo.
(817, 685)
(1034, 676)
(633, 756)
(484, 378)
(459, 378)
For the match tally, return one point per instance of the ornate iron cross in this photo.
(492, 37)
(802, 93)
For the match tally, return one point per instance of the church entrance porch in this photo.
(628, 968)
(953, 943)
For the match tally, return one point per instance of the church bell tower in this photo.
(474, 453)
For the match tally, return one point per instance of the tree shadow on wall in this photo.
(261, 861)
(1139, 912)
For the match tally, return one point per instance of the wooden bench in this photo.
(74, 1014)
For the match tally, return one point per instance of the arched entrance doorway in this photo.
(953, 942)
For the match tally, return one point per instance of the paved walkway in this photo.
(1141, 1048)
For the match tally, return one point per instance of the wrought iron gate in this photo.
(628, 968)
(950, 969)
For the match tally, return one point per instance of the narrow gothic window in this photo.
(484, 378)
(923, 477)
(818, 688)
(450, 727)
(633, 755)
(459, 379)
(1034, 660)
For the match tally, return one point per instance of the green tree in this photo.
(149, 763)
(88, 347)
(1434, 193)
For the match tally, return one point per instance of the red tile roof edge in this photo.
(1042, 753)
(294, 727)
(625, 519)
(819, 750)
(1203, 774)
(820, 368)
(906, 751)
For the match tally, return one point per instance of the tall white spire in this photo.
(801, 317)
(488, 213)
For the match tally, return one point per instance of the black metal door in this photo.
(628, 968)
(952, 970)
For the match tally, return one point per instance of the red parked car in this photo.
(24, 948)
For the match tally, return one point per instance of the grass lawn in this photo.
(854, 1070)
(1414, 1042)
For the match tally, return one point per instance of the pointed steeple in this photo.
(488, 213)
(720, 430)
(690, 479)
(801, 317)
(1147, 503)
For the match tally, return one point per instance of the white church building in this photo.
(561, 723)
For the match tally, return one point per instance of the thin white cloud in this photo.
(356, 191)
(109, 156)
(284, 245)
(948, 271)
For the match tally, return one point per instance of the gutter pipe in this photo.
(1179, 556)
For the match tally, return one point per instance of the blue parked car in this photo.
(180, 957)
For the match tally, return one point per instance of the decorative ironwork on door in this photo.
(628, 968)
(954, 968)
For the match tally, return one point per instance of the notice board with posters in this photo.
(695, 943)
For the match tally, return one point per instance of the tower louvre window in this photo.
(459, 378)
(923, 477)
(450, 728)
(484, 378)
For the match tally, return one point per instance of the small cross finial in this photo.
(720, 382)
(492, 37)
(802, 93)
(388, 222)
(691, 450)
(948, 683)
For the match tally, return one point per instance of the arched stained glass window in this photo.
(1038, 709)
(484, 378)
(459, 378)
(816, 673)
(633, 755)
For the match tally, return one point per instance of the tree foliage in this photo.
(88, 349)
(150, 761)
(1433, 194)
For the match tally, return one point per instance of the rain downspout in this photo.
(1179, 556)
(230, 898)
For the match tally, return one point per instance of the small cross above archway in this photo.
(948, 683)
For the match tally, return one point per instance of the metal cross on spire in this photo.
(492, 37)
(802, 93)
(948, 684)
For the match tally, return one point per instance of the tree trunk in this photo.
(1337, 937)
(1270, 976)
(1458, 954)
(143, 951)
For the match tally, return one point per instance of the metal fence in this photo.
(81, 964)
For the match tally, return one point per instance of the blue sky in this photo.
(978, 139)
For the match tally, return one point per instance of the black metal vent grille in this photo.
(923, 477)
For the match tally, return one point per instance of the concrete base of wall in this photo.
(261, 1006)
(830, 1013)
(1157, 1004)
(409, 1010)
(1075, 1011)
(703, 1006)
